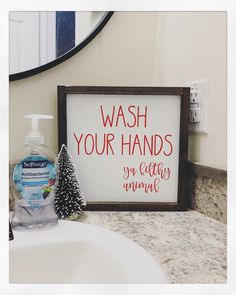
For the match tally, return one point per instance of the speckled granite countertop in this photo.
(190, 246)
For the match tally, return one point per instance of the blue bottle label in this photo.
(34, 178)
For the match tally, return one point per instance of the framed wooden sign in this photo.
(129, 144)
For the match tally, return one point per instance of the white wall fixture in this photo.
(198, 105)
(24, 41)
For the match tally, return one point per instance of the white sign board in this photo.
(125, 145)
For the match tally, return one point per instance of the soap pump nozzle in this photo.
(34, 137)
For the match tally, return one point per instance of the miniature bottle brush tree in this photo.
(69, 201)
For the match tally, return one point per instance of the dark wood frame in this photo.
(183, 92)
(57, 61)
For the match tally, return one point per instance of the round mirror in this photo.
(40, 40)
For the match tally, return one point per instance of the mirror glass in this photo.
(39, 37)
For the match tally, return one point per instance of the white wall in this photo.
(85, 21)
(138, 49)
(194, 49)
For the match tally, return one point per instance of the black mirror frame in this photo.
(89, 38)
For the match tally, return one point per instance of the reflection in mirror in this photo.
(39, 37)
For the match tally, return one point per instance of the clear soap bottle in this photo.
(32, 181)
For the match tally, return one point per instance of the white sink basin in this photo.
(74, 252)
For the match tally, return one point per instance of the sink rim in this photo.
(85, 231)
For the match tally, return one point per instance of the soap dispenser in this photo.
(32, 179)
